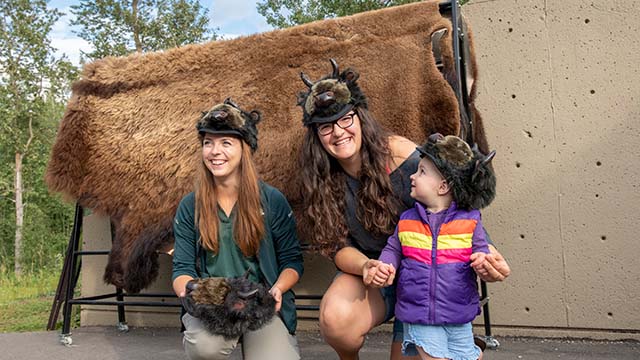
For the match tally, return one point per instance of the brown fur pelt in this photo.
(229, 306)
(127, 146)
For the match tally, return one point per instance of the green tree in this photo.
(120, 27)
(285, 13)
(32, 84)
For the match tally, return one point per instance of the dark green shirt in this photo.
(230, 261)
(279, 248)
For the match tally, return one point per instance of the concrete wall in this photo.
(559, 92)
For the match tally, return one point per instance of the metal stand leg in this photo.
(492, 343)
(122, 322)
(61, 290)
(71, 272)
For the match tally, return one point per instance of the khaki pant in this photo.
(272, 341)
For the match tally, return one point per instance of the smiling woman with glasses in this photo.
(343, 123)
(354, 184)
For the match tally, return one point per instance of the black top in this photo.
(358, 237)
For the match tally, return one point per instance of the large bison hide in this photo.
(127, 145)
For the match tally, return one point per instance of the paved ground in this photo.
(165, 344)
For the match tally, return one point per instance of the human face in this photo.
(343, 143)
(427, 184)
(221, 154)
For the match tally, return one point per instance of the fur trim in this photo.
(331, 97)
(229, 118)
(223, 307)
(467, 170)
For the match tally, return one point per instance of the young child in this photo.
(433, 245)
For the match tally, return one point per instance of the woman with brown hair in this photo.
(235, 224)
(355, 178)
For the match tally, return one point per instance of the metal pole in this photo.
(457, 36)
(70, 280)
(491, 342)
(61, 290)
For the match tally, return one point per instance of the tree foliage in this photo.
(120, 27)
(285, 13)
(33, 86)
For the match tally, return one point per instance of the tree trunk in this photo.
(136, 26)
(19, 216)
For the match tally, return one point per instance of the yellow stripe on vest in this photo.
(416, 240)
(458, 241)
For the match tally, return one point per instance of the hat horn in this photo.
(191, 286)
(481, 163)
(435, 137)
(247, 294)
(487, 159)
(306, 80)
(336, 71)
(228, 101)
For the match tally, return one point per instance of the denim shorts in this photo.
(442, 341)
(389, 296)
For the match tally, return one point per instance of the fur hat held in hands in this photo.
(229, 306)
(228, 118)
(466, 169)
(332, 97)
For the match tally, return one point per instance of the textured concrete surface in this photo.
(99, 343)
(559, 92)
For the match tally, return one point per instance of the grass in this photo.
(25, 302)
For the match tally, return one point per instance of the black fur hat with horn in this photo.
(228, 118)
(466, 169)
(332, 97)
(229, 306)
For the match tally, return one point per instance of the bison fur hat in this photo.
(228, 118)
(466, 169)
(332, 97)
(229, 306)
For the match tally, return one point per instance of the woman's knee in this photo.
(335, 315)
(208, 347)
(200, 352)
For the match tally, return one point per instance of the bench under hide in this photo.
(127, 145)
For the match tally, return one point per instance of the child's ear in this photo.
(444, 187)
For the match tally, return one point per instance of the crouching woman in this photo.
(233, 223)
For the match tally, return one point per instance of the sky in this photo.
(232, 18)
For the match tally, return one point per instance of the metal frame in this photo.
(463, 69)
(69, 279)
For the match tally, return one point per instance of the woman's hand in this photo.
(493, 268)
(277, 295)
(180, 285)
(377, 274)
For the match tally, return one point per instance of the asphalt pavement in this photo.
(166, 344)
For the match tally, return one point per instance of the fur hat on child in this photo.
(331, 97)
(228, 118)
(229, 306)
(466, 169)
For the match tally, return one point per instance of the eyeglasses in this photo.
(343, 123)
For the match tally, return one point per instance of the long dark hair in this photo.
(323, 188)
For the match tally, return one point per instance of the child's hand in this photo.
(477, 261)
(378, 274)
